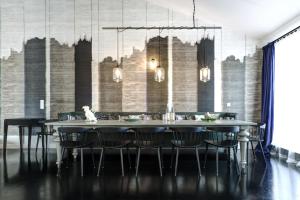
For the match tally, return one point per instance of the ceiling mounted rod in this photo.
(161, 28)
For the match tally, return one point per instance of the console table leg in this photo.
(243, 140)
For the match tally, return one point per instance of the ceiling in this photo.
(256, 18)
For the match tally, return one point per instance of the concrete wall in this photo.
(67, 24)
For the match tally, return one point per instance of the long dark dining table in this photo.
(242, 136)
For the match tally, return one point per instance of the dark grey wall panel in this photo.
(35, 80)
(83, 74)
(206, 57)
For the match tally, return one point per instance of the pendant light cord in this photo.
(204, 46)
(117, 47)
(121, 61)
(158, 47)
(194, 11)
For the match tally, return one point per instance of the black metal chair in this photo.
(74, 138)
(44, 133)
(257, 136)
(222, 137)
(149, 138)
(113, 138)
(187, 138)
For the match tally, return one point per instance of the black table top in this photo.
(23, 121)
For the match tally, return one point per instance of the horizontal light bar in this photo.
(161, 27)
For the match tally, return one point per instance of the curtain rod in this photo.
(161, 27)
(286, 34)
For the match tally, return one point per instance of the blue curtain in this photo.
(267, 111)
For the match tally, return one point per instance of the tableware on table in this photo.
(131, 119)
(209, 117)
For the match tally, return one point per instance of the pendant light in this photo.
(153, 64)
(205, 74)
(159, 73)
(204, 71)
(117, 71)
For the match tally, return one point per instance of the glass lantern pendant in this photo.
(153, 64)
(204, 74)
(117, 74)
(159, 74)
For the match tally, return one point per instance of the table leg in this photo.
(243, 140)
(5, 137)
(21, 133)
(29, 137)
(58, 152)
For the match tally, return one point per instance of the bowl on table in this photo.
(132, 118)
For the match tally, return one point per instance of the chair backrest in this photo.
(188, 136)
(149, 137)
(153, 116)
(219, 134)
(257, 133)
(72, 133)
(112, 137)
(48, 129)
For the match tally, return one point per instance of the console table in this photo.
(21, 123)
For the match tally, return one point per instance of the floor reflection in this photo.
(33, 176)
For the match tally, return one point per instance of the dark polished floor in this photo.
(21, 178)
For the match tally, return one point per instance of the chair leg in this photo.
(68, 161)
(103, 159)
(128, 156)
(228, 157)
(206, 150)
(37, 143)
(176, 161)
(263, 153)
(93, 158)
(172, 157)
(236, 160)
(100, 162)
(122, 163)
(217, 162)
(136, 155)
(159, 160)
(198, 161)
(63, 153)
(43, 142)
(162, 158)
(46, 142)
(247, 155)
(81, 159)
(253, 151)
(137, 162)
(21, 134)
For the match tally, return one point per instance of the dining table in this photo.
(242, 135)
